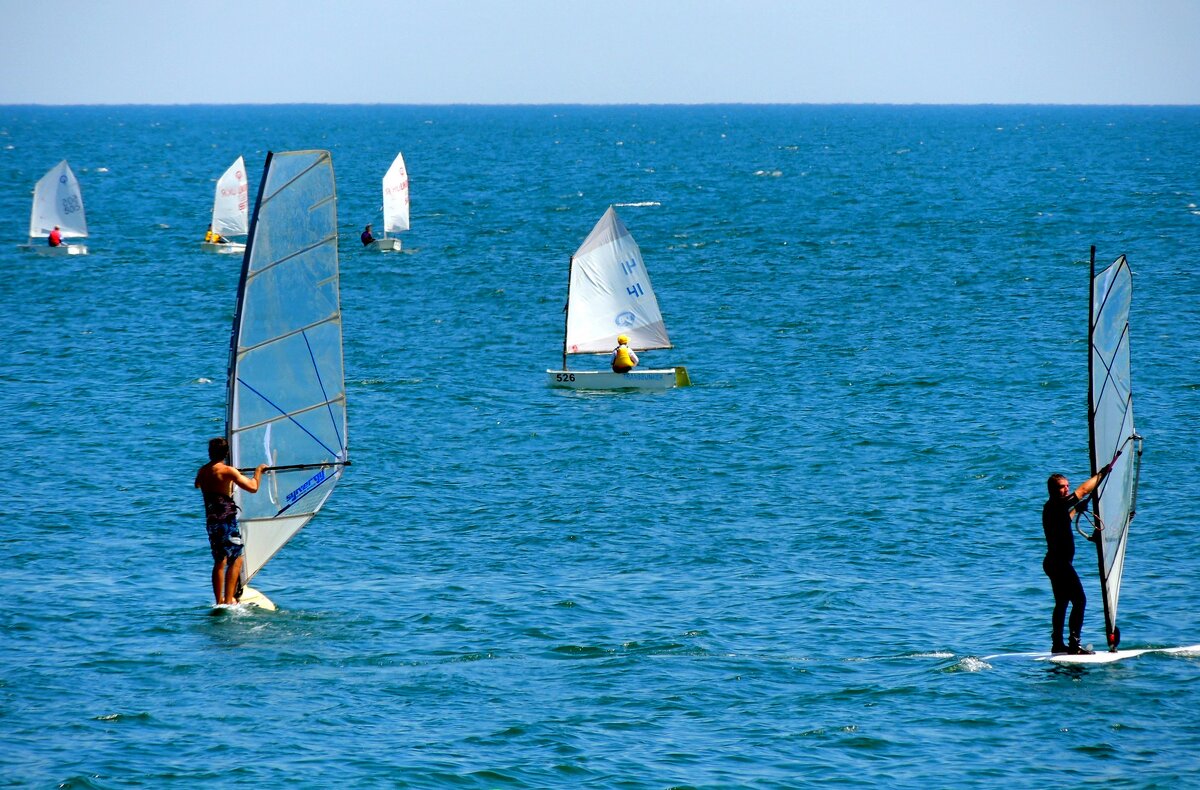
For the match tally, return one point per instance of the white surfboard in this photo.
(1100, 657)
(252, 597)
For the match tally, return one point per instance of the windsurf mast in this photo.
(1112, 437)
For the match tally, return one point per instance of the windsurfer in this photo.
(1057, 515)
(216, 480)
(623, 359)
(366, 236)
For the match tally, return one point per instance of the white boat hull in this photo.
(223, 249)
(385, 245)
(662, 379)
(60, 250)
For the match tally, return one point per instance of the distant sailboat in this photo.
(1112, 435)
(395, 206)
(230, 214)
(608, 295)
(286, 402)
(58, 202)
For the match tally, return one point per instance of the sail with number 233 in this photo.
(1113, 438)
(287, 398)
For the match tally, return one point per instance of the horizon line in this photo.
(604, 104)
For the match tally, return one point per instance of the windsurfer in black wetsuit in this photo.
(216, 480)
(1057, 515)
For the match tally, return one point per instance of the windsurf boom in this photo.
(1112, 436)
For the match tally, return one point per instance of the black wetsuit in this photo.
(1057, 515)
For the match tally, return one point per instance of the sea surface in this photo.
(787, 575)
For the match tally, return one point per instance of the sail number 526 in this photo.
(564, 376)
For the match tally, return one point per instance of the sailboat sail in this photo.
(230, 216)
(1113, 436)
(57, 200)
(395, 197)
(287, 399)
(610, 294)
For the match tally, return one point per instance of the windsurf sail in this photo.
(57, 200)
(395, 197)
(231, 204)
(1113, 438)
(287, 398)
(609, 294)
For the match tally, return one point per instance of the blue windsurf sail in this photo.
(286, 402)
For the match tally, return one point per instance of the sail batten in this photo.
(287, 399)
(1113, 438)
(610, 294)
(298, 331)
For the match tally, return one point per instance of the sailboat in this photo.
(58, 202)
(395, 206)
(286, 402)
(608, 295)
(230, 214)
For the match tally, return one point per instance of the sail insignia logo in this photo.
(308, 485)
(625, 319)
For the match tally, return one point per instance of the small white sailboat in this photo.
(58, 203)
(395, 206)
(608, 295)
(231, 210)
(286, 402)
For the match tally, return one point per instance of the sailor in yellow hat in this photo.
(623, 359)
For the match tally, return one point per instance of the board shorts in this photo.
(225, 540)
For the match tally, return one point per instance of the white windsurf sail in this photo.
(1112, 432)
(609, 294)
(57, 200)
(287, 398)
(395, 197)
(231, 204)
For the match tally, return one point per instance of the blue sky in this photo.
(616, 51)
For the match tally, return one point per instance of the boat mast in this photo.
(567, 310)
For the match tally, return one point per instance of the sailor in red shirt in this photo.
(55, 237)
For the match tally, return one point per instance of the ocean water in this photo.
(786, 575)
